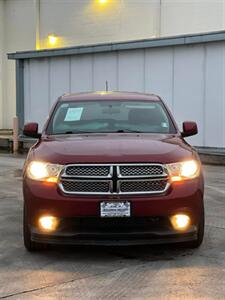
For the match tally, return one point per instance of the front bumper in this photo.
(81, 222)
(114, 231)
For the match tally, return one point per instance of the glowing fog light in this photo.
(180, 221)
(48, 223)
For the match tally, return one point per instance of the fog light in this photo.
(48, 223)
(180, 221)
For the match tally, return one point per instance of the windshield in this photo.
(110, 116)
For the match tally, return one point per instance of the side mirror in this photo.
(31, 130)
(189, 129)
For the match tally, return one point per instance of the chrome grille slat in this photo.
(150, 170)
(125, 179)
(86, 186)
(143, 186)
(88, 171)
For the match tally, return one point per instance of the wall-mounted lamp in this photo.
(102, 1)
(52, 39)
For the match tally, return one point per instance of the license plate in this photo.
(115, 209)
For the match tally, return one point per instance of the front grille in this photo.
(141, 171)
(76, 187)
(87, 171)
(142, 186)
(114, 179)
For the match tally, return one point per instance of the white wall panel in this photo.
(25, 25)
(39, 90)
(190, 79)
(131, 70)
(17, 32)
(81, 73)
(59, 78)
(188, 99)
(105, 68)
(214, 95)
(159, 73)
(80, 22)
(191, 16)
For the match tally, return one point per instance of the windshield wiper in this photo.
(77, 131)
(117, 131)
(128, 130)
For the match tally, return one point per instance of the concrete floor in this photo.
(160, 272)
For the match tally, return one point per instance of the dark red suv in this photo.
(112, 168)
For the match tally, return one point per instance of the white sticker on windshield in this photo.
(74, 114)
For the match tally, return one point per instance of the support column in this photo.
(1, 60)
(20, 93)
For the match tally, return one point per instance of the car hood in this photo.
(112, 148)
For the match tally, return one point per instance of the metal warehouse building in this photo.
(186, 71)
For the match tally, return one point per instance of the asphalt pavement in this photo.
(150, 272)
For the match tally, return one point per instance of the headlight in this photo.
(42, 171)
(184, 170)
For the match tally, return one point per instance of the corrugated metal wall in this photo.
(189, 78)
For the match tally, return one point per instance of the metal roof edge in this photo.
(118, 46)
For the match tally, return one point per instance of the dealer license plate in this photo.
(115, 209)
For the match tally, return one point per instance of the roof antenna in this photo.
(106, 86)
